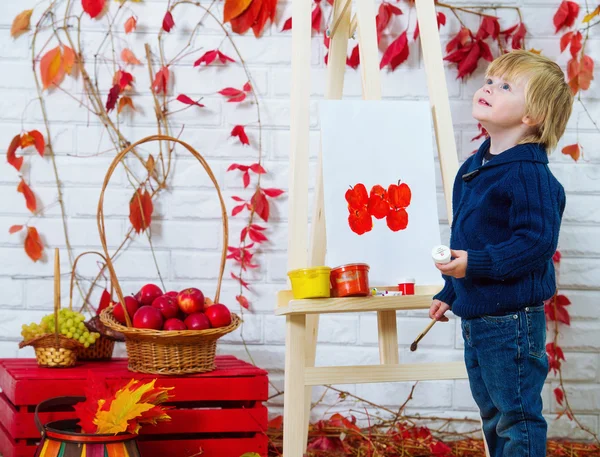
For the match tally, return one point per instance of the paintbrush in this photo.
(413, 346)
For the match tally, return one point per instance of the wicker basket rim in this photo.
(108, 319)
(49, 340)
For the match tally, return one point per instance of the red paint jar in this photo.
(350, 280)
(407, 286)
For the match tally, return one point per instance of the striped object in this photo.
(53, 448)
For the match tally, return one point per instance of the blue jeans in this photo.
(507, 365)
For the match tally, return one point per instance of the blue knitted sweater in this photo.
(507, 216)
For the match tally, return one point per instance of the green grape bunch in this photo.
(70, 324)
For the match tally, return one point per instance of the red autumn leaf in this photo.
(559, 395)
(188, 101)
(254, 234)
(11, 156)
(33, 138)
(482, 132)
(317, 17)
(129, 57)
(105, 301)
(556, 257)
(246, 179)
(485, 50)
(235, 95)
(237, 166)
(519, 36)
(565, 40)
(260, 205)
(140, 210)
(242, 23)
(15, 229)
(168, 22)
(93, 7)
(396, 53)
(439, 449)
(33, 245)
(238, 131)
(238, 209)
(354, 60)
(287, 25)
(28, 194)
(210, 56)
(257, 168)
(572, 150)
(51, 65)
(233, 8)
(130, 24)
(576, 44)
(565, 15)
(489, 27)
(243, 301)
(124, 102)
(384, 15)
(268, 11)
(273, 193)
(555, 351)
(247, 87)
(113, 96)
(240, 280)
(555, 309)
(161, 81)
(21, 23)
(338, 421)
(460, 40)
(276, 423)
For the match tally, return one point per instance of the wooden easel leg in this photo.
(312, 334)
(387, 334)
(294, 417)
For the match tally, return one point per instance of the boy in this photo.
(507, 212)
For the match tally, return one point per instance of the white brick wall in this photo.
(187, 233)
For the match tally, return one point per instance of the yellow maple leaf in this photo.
(124, 407)
(592, 15)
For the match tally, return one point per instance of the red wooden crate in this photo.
(219, 413)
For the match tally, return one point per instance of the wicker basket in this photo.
(157, 351)
(54, 350)
(102, 349)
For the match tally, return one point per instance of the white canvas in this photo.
(381, 142)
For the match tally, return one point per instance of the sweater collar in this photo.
(528, 152)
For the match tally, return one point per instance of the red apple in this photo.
(167, 306)
(218, 315)
(172, 294)
(190, 300)
(148, 294)
(148, 317)
(197, 321)
(174, 324)
(132, 306)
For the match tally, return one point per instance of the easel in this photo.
(302, 316)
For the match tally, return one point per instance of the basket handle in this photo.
(51, 402)
(100, 217)
(73, 274)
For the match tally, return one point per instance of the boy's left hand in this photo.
(457, 268)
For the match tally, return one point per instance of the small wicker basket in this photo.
(158, 351)
(54, 350)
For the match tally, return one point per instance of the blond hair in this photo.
(548, 97)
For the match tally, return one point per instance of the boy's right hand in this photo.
(437, 310)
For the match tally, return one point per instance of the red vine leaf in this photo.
(130, 24)
(93, 7)
(240, 280)
(555, 309)
(258, 168)
(28, 194)
(33, 245)
(384, 15)
(565, 15)
(238, 131)
(243, 301)
(34, 138)
(129, 57)
(556, 257)
(210, 56)
(20, 23)
(572, 150)
(287, 25)
(140, 210)
(235, 95)
(354, 60)
(11, 153)
(50, 67)
(242, 23)
(441, 20)
(247, 87)
(238, 209)
(233, 8)
(188, 101)
(519, 36)
(260, 204)
(396, 53)
(268, 11)
(317, 17)
(113, 96)
(161, 81)
(105, 301)
(490, 27)
(15, 229)
(273, 193)
(559, 395)
(168, 22)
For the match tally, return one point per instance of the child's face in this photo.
(500, 104)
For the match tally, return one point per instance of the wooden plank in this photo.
(12, 448)
(387, 333)
(299, 135)
(206, 447)
(294, 388)
(362, 374)
(355, 304)
(438, 96)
